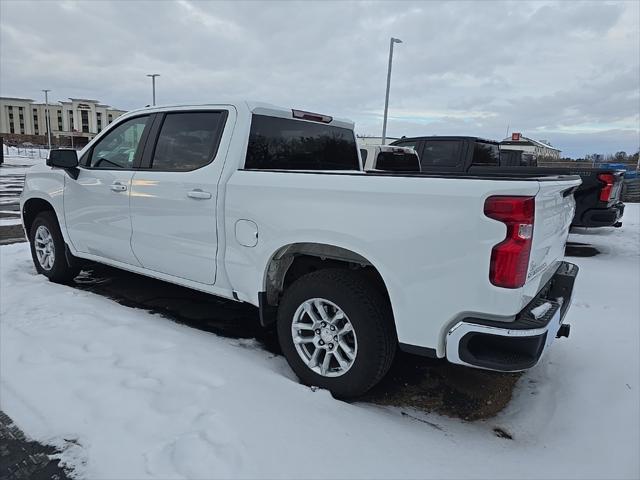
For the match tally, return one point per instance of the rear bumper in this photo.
(601, 217)
(520, 344)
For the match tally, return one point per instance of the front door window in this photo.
(118, 149)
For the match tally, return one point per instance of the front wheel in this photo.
(48, 249)
(336, 331)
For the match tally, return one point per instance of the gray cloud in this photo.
(568, 72)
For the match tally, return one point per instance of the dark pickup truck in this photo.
(597, 199)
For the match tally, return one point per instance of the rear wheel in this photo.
(336, 331)
(48, 249)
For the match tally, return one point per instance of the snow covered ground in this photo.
(128, 394)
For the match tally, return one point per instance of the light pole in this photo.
(386, 98)
(153, 84)
(47, 120)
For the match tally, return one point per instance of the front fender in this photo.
(45, 183)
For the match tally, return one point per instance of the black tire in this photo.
(370, 314)
(60, 271)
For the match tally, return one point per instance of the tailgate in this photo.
(554, 212)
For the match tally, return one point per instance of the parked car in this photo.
(598, 201)
(270, 206)
(385, 157)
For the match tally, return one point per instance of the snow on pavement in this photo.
(129, 394)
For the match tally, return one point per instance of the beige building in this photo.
(22, 119)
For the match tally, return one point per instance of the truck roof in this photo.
(253, 107)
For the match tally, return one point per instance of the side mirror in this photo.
(64, 158)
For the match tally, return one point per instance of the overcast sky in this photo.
(567, 72)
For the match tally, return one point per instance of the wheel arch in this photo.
(30, 210)
(290, 262)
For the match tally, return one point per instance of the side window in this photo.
(363, 154)
(286, 144)
(188, 140)
(117, 149)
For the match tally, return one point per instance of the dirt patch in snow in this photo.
(438, 386)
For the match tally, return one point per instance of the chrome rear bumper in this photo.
(517, 345)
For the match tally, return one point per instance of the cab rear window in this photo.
(441, 153)
(398, 161)
(486, 154)
(286, 144)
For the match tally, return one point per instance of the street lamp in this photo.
(386, 98)
(47, 120)
(153, 84)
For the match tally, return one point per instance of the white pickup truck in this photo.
(271, 206)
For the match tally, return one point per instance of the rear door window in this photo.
(188, 140)
(285, 144)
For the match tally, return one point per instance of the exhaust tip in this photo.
(564, 331)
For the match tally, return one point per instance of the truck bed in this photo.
(597, 199)
(591, 209)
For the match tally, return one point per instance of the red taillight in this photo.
(608, 180)
(510, 258)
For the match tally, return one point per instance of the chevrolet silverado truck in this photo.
(597, 199)
(271, 206)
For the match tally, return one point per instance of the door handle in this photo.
(199, 194)
(118, 187)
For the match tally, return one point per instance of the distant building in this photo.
(540, 149)
(23, 120)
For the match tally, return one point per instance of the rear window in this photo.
(440, 153)
(285, 144)
(398, 161)
(486, 154)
